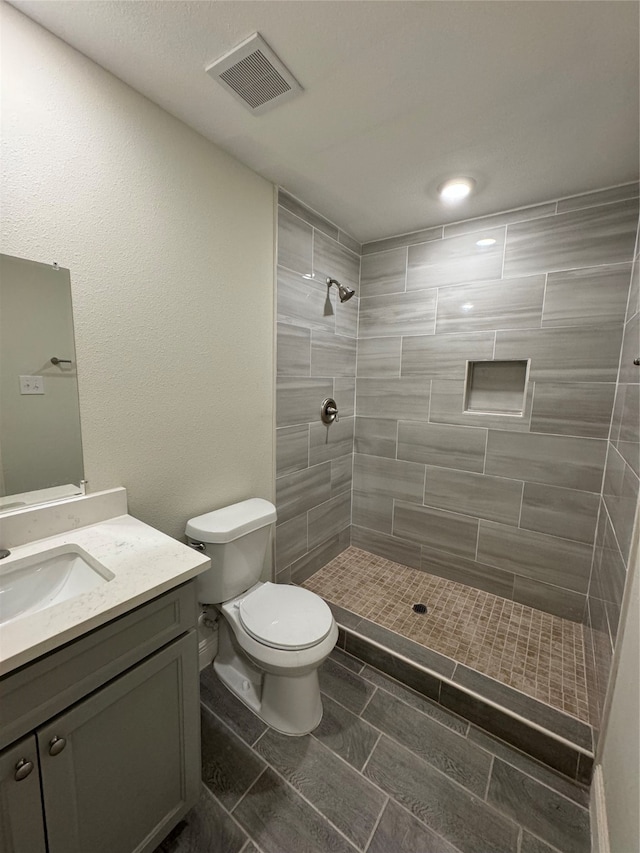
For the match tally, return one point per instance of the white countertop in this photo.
(145, 563)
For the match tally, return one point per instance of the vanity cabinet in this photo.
(116, 770)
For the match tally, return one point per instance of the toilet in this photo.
(272, 637)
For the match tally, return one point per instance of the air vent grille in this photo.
(255, 76)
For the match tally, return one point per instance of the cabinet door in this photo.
(122, 767)
(21, 820)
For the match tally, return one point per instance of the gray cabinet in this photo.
(21, 819)
(118, 769)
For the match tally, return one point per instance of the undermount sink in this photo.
(33, 583)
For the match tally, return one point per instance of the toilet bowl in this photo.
(272, 637)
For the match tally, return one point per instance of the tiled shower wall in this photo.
(508, 504)
(618, 509)
(316, 346)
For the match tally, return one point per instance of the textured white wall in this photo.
(170, 246)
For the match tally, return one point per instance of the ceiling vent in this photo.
(255, 76)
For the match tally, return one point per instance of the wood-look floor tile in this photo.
(433, 798)
(280, 821)
(338, 791)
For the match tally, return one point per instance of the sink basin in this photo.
(33, 583)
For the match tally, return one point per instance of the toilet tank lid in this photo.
(231, 522)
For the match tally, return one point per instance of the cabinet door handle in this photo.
(56, 745)
(23, 769)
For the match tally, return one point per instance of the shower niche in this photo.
(496, 387)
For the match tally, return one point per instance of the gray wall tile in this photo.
(383, 273)
(535, 555)
(620, 492)
(634, 291)
(455, 260)
(587, 296)
(377, 437)
(397, 314)
(332, 260)
(587, 354)
(348, 241)
(341, 474)
(406, 399)
(303, 302)
(556, 460)
(372, 510)
(384, 545)
(447, 446)
(294, 350)
(445, 531)
(409, 239)
(291, 541)
(292, 449)
(514, 303)
(328, 519)
(332, 355)
(445, 356)
(609, 571)
(560, 512)
(478, 495)
(573, 408)
(521, 215)
(469, 572)
(345, 396)
(583, 238)
(607, 196)
(295, 241)
(298, 400)
(328, 441)
(379, 356)
(390, 477)
(298, 492)
(626, 425)
(294, 206)
(629, 371)
(313, 560)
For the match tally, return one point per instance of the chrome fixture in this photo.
(56, 360)
(329, 411)
(344, 291)
(4, 553)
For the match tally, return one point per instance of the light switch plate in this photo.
(31, 385)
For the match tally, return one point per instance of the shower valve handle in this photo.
(329, 411)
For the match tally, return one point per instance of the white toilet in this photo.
(272, 637)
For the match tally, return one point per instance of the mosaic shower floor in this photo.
(531, 651)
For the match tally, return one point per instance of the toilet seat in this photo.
(285, 617)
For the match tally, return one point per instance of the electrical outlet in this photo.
(31, 385)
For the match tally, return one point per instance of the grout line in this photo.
(377, 823)
(521, 504)
(233, 818)
(235, 806)
(486, 790)
(544, 298)
(504, 250)
(366, 704)
(373, 749)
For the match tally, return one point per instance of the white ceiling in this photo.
(533, 99)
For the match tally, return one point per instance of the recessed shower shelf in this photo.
(496, 387)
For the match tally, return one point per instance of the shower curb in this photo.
(552, 749)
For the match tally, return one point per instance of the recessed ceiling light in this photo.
(486, 241)
(456, 189)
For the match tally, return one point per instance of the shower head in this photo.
(344, 291)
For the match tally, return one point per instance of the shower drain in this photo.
(420, 608)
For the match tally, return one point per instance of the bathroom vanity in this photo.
(99, 697)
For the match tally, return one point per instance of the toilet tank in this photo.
(235, 539)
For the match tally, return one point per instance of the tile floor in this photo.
(387, 771)
(534, 652)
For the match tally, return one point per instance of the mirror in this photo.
(40, 443)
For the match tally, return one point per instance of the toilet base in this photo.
(290, 704)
